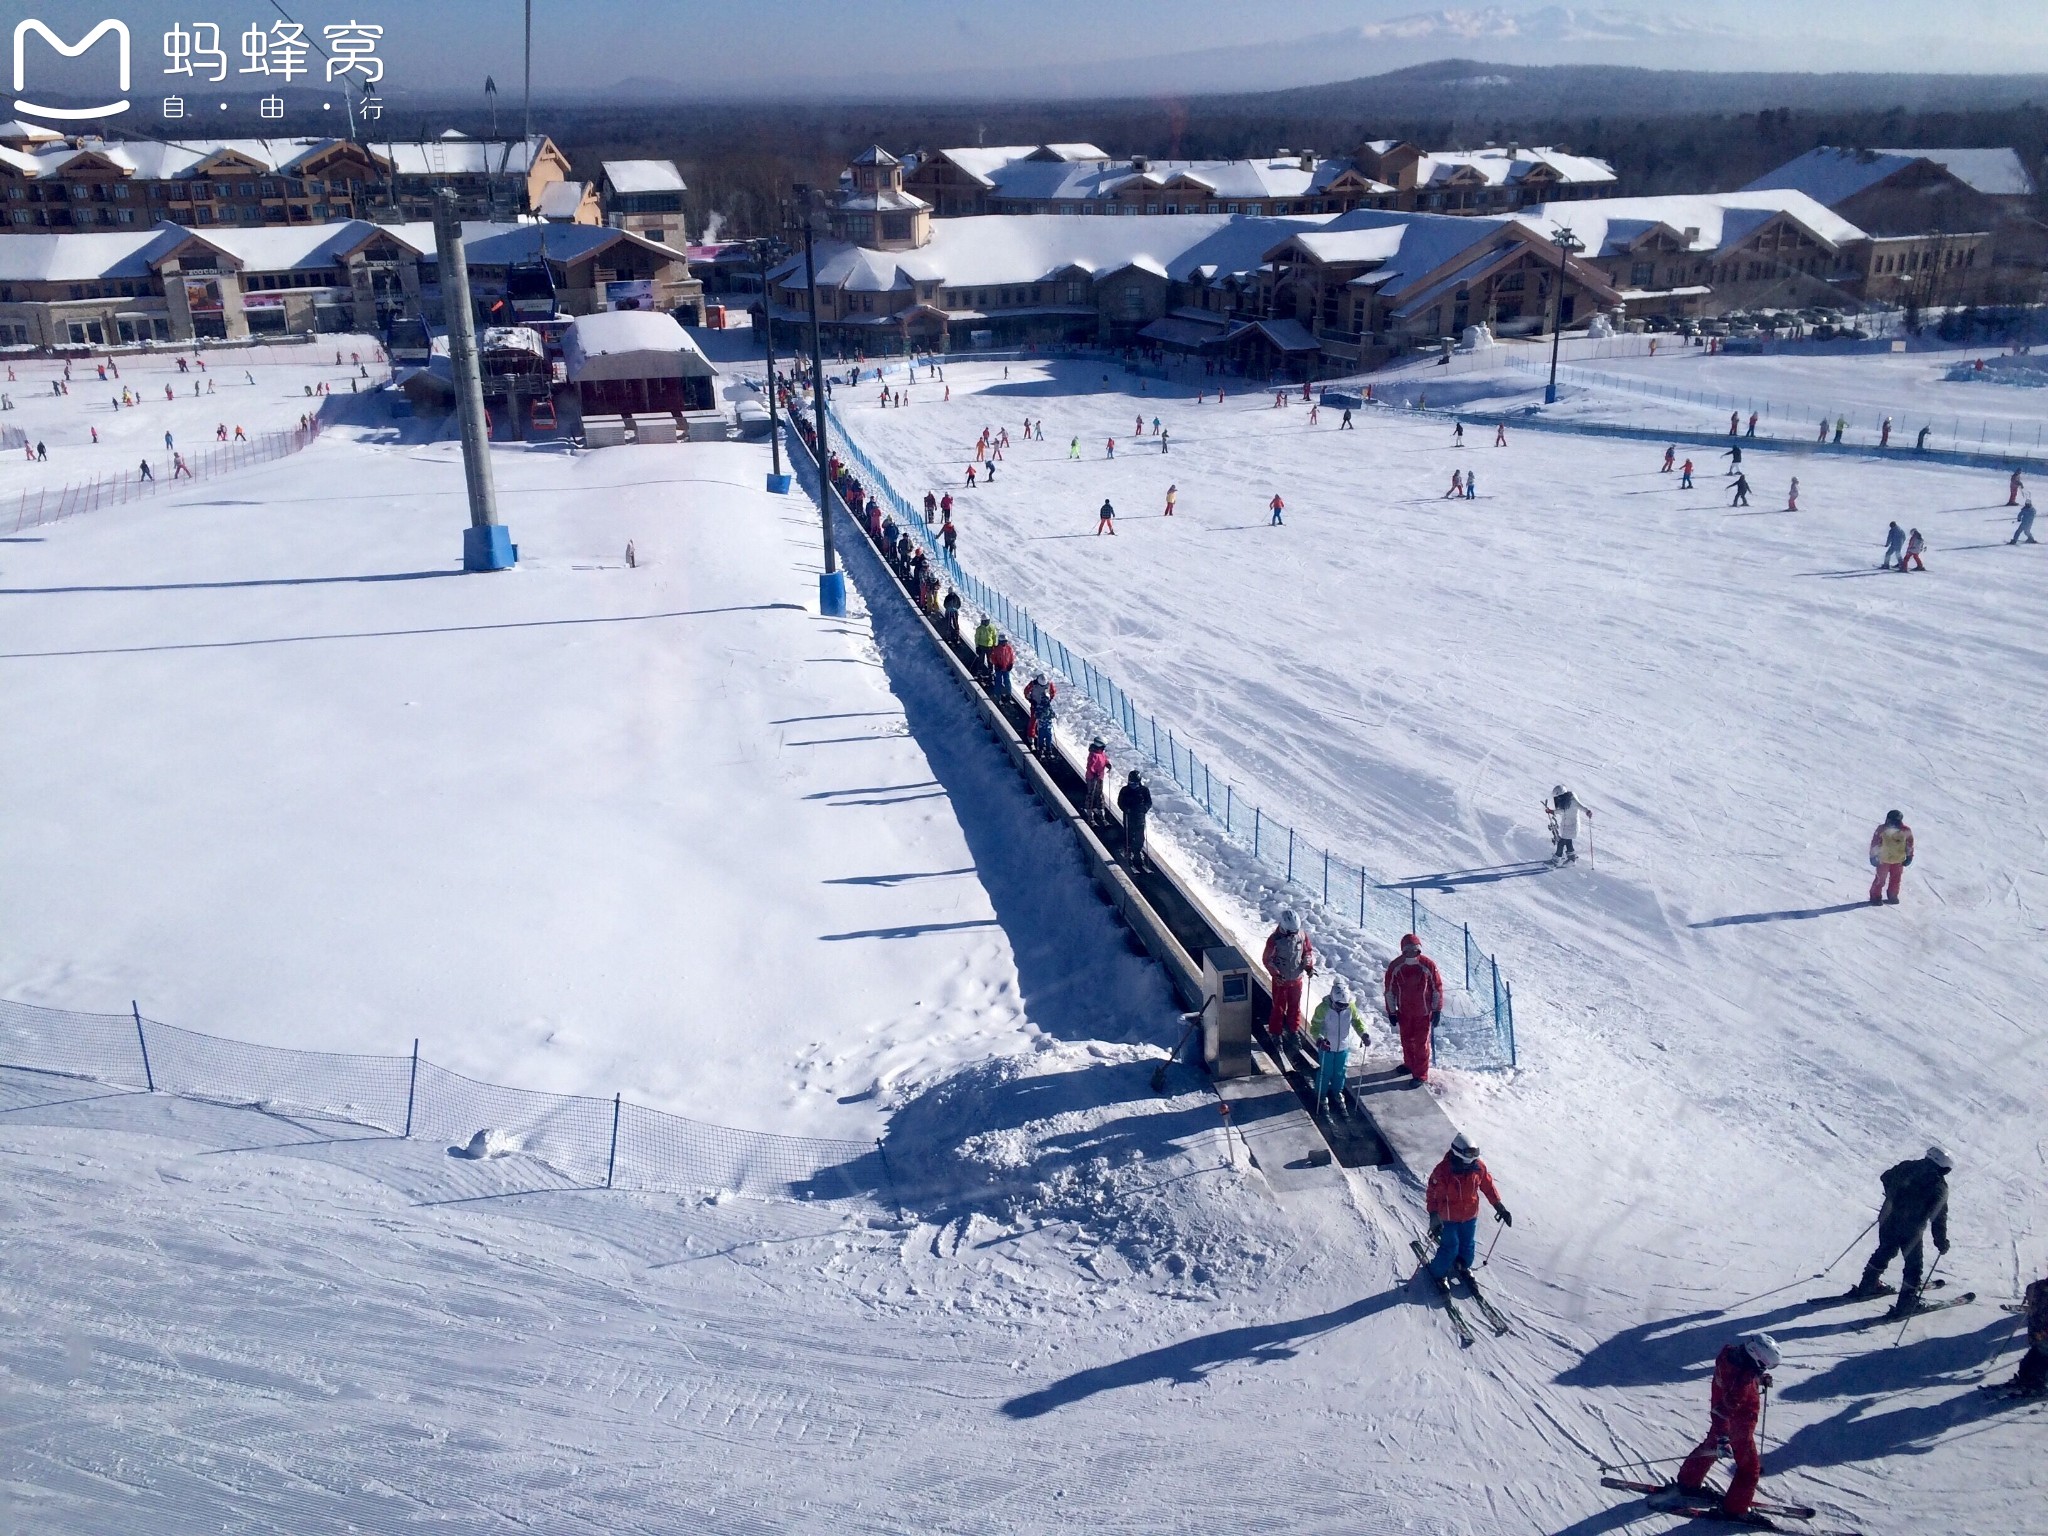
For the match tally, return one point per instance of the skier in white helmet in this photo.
(1564, 810)
(1742, 1374)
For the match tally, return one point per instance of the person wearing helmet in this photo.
(1742, 1374)
(1564, 810)
(1038, 694)
(1290, 959)
(1891, 850)
(1452, 1200)
(1335, 1022)
(1413, 994)
(1135, 801)
(1001, 658)
(984, 644)
(1915, 1199)
(1095, 807)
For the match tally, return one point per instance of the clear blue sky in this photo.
(997, 46)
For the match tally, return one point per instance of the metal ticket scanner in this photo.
(1227, 1025)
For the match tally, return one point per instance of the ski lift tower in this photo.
(486, 544)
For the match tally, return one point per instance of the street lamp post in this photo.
(768, 248)
(831, 580)
(1566, 243)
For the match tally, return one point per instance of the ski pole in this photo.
(1907, 1320)
(1497, 1230)
(1822, 1275)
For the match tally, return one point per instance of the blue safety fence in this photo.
(1478, 1031)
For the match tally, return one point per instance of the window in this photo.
(121, 192)
(1642, 273)
(1233, 208)
(14, 194)
(1076, 293)
(248, 189)
(1134, 300)
(127, 215)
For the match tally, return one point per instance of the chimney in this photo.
(1138, 162)
(1308, 161)
(1692, 235)
(1514, 149)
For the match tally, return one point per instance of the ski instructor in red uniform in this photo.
(1413, 993)
(1742, 1373)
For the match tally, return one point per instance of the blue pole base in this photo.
(489, 549)
(832, 594)
(778, 485)
(1550, 394)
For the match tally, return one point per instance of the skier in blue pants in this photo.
(1332, 1025)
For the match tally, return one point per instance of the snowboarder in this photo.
(1915, 1202)
(1290, 959)
(1413, 994)
(1792, 496)
(1172, 491)
(1564, 809)
(1891, 850)
(1001, 659)
(1452, 1199)
(1894, 546)
(1276, 506)
(1742, 1374)
(1135, 801)
(1095, 807)
(1334, 1023)
(1457, 485)
(1670, 457)
(1105, 520)
(1685, 476)
(2023, 525)
(1914, 545)
(1741, 491)
(984, 643)
(2031, 1379)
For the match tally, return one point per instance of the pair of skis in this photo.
(1494, 1317)
(1705, 1504)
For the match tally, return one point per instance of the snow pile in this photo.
(2027, 370)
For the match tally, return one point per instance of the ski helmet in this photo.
(1410, 943)
(1464, 1148)
(1940, 1158)
(1894, 818)
(1136, 777)
(1289, 922)
(1763, 1349)
(1340, 991)
(1556, 790)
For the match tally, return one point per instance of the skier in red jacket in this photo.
(1413, 994)
(1452, 1200)
(1290, 959)
(1742, 1373)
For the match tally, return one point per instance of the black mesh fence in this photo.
(592, 1142)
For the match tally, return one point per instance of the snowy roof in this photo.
(290, 247)
(1031, 248)
(170, 160)
(878, 200)
(1610, 226)
(982, 161)
(491, 244)
(52, 258)
(1403, 248)
(643, 176)
(631, 344)
(562, 199)
(1287, 335)
(1079, 181)
(17, 129)
(874, 154)
(1831, 175)
(1505, 167)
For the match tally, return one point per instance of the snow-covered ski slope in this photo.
(1722, 1044)
(275, 773)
